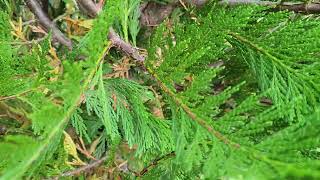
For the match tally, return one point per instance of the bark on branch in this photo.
(124, 46)
(49, 25)
(310, 8)
(90, 8)
(84, 168)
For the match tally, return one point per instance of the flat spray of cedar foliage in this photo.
(227, 90)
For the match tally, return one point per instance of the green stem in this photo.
(125, 21)
(273, 58)
(261, 50)
(192, 115)
(250, 151)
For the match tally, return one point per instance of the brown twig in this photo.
(247, 2)
(154, 163)
(152, 13)
(124, 46)
(90, 7)
(291, 6)
(198, 3)
(15, 114)
(33, 41)
(309, 8)
(15, 96)
(49, 25)
(85, 168)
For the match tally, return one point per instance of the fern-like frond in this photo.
(239, 140)
(121, 109)
(49, 118)
(129, 20)
(20, 73)
(282, 51)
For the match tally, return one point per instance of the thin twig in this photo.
(89, 7)
(36, 20)
(291, 6)
(33, 41)
(15, 96)
(49, 25)
(113, 36)
(84, 168)
(247, 2)
(108, 158)
(124, 46)
(29, 22)
(15, 114)
(183, 4)
(154, 163)
(191, 114)
(198, 3)
(3, 115)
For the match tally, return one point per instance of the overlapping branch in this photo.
(83, 168)
(49, 25)
(90, 8)
(291, 6)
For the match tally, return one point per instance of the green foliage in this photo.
(215, 124)
(129, 19)
(247, 141)
(283, 59)
(78, 123)
(16, 69)
(48, 118)
(119, 105)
